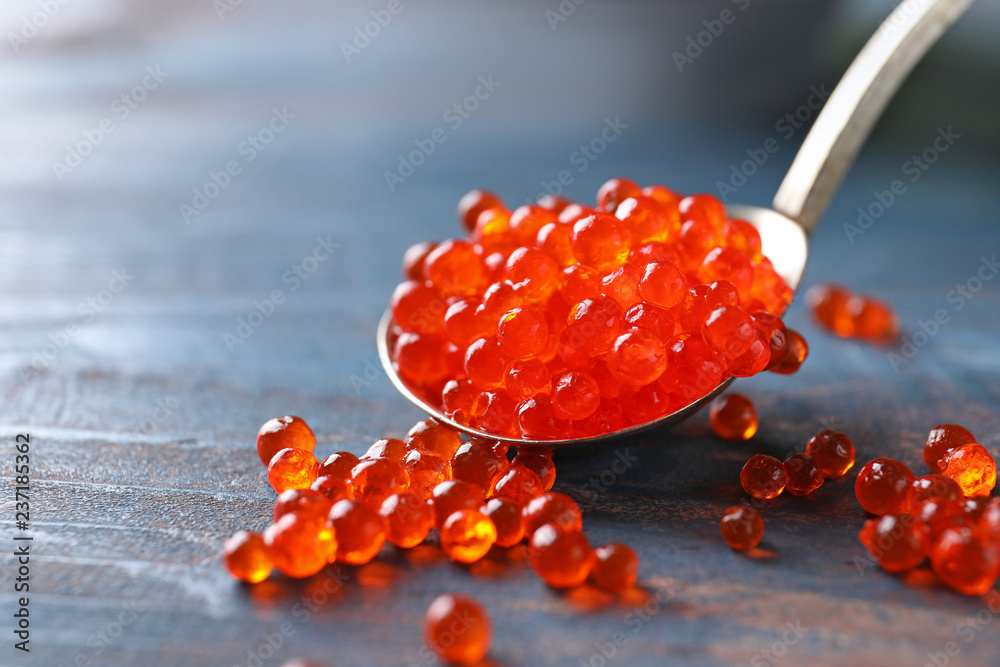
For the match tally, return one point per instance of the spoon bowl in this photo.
(817, 171)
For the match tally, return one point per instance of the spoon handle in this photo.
(857, 102)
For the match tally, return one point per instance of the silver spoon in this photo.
(817, 171)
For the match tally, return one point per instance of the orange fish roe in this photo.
(518, 484)
(426, 469)
(932, 488)
(966, 560)
(555, 508)
(374, 480)
(452, 496)
(434, 436)
(477, 463)
(457, 629)
(763, 477)
(247, 558)
(408, 519)
(562, 559)
(557, 320)
(307, 502)
(942, 439)
(616, 567)
(339, 465)
(833, 453)
(506, 517)
(883, 485)
(292, 469)
(733, 417)
(897, 542)
(360, 531)
(386, 448)
(742, 527)
(300, 545)
(333, 488)
(281, 433)
(972, 467)
(540, 464)
(849, 315)
(467, 535)
(802, 476)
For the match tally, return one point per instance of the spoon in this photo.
(816, 173)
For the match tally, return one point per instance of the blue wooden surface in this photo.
(143, 422)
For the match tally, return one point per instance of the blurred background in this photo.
(203, 205)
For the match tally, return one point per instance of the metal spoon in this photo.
(816, 173)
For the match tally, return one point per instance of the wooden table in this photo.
(125, 360)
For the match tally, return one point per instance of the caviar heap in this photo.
(560, 320)
(475, 495)
(945, 516)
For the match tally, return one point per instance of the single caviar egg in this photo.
(434, 436)
(413, 259)
(616, 567)
(562, 559)
(972, 467)
(246, 557)
(742, 527)
(832, 451)
(614, 191)
(555, 508)
(802, 475)
(300, 546)
(506, 517)
(933, 487)
(473, 203)
(637, 358)
(308, 502)
(425, 469)
(798, 350)
(467, 535)
(292, 469)
(575, 395)
(282, 433)
(883, 485)
(733, 417)
(452, 496)
(522, 332)
(457, 629)
(941, 439)
(386, 448)
(408, 518)
(332, 487)
(966, 560)
(897, 542)
(338, 465)
(519, 484)
(476, 462)
(601, 241)
(360, 530)
(374, 480)
(763, 477)
(540, 464)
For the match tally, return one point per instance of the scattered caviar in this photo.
(476, 462)
(452, 496)
(360, 530)
(540, 464)
(849, 315)
(300, 546)
(942, 439)
(339, 465)
(332, 487)
(802, 475)
(932, 488)
(292, 468)
(307, 502)
(966, 560)
(742, 527)
(518, 484)
(616, 567)
(457, 629)
(763, 477)
(374, 480)
(897, 542)
(555, 508)
(506, 517)
(883, 486)
(247, 558)
(733, 417)
(467, 535)
(282, 433)
(562, 559)
(386, 448)
(833, 453)
(408, 519)
(972, 467)
(425, 469)
(558, 320)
